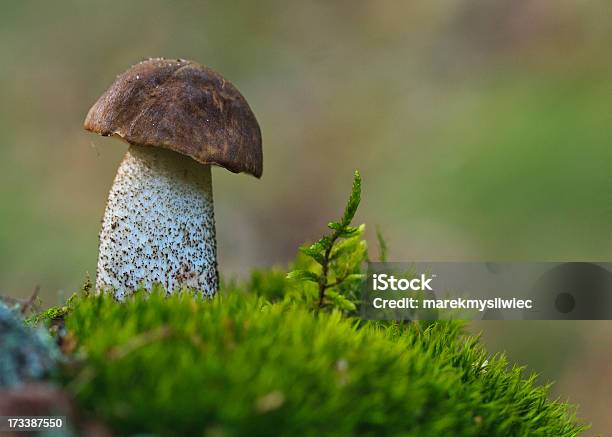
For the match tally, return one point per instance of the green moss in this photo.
(48, 316)
(270, 284)
(240, 365)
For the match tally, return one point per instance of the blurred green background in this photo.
(482, 130)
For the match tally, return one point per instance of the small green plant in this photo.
(383, 250)
(47, 316)
(338, 259)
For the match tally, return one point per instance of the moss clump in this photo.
(48, 316)
(239, 365)
(25, 353)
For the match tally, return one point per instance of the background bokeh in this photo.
(482, 130)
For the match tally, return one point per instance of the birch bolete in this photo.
(179, 118)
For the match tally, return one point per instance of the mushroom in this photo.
(179, 118)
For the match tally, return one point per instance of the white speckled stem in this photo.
(159, 225)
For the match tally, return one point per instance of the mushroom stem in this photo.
(159, 225)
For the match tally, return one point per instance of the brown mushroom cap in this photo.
(182, 106)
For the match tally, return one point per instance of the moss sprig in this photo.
(338, 257)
